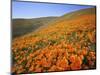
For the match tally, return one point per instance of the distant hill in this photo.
(78, 13)
(75, 15)
(24, 26)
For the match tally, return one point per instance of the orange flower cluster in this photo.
(61, 47)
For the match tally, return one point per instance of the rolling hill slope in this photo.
(64, 44)
(78, 13)
(75, 14)
(23, 26)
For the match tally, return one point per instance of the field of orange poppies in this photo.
(62, 46)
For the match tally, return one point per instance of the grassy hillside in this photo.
(78, 13)
(62, 45)
(75, 14)
(24, 26)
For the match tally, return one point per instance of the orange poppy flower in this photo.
(72, 58)
(75, 66)
(84, 52)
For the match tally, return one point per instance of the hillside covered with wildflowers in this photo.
(66, 44)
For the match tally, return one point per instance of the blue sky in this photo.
(35, 10)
